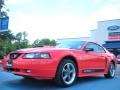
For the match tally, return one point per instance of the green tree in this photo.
(19, 37)
(1, 4)
(44, 41)
(21, 41)
(24, 35)
(7, 35)
(36, 43)
(6, 39)
(53, 43)
(10, 42)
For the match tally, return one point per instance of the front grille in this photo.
(12, 69)
(14, 55)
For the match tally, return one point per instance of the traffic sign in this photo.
(4, 23)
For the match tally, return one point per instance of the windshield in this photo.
(71, 44)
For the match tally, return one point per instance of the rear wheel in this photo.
(111, 71)
(66, 73)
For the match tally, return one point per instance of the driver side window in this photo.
(95, 47)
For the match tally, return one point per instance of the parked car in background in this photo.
(63, 63)
(118, 58)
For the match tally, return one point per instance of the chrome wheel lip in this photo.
(68, 73)
(112, 70)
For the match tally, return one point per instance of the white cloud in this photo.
(15, 2)
(97, 1)
(62, 26)
(114, 1)
(107, 13)
(49, 26)
(105, 1)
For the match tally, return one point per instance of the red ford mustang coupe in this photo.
(63, 63)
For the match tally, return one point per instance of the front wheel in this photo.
(111, 71)
(66, 73)
(27, 77)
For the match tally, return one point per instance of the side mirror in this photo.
(89, 49)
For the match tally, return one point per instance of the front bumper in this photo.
(43, 69)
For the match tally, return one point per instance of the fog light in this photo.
(28, 71)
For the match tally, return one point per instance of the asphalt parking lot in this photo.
(8, 81)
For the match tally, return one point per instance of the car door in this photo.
(93, 61)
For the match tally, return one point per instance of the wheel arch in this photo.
(71, 58)
(113, 61)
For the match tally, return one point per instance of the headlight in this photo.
(37, 56)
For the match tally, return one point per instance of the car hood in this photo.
(40, 49)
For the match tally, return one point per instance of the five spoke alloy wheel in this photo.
(66, 73)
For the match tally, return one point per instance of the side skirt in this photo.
(92, 70)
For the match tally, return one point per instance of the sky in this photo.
(56, 19)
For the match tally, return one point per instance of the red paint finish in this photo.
(46, 68)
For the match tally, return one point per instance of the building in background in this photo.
(106, 34)
(107, 31)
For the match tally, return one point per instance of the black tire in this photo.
(66, 73)
(111, 71)
(27, 77)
